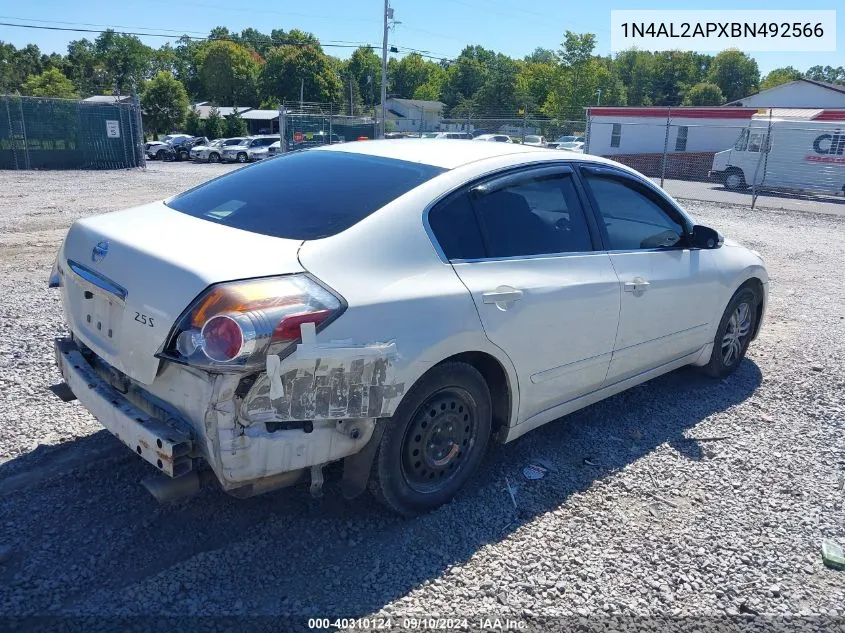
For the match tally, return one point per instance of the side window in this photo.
(742, 142)
(634, 218)
(681, 141)
(535, 216)
(616, 135)
(456, 229)
(756, 140)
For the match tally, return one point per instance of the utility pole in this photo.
(388, 14)
(351, 108)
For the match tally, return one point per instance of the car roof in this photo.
(458, 153)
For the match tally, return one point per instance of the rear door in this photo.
(523, 246)
(669, 290)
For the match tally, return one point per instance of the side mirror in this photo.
(705, 237)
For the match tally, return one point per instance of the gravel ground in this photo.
(681, 497)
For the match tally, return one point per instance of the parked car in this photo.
(245, 151)
(211, 153)
(572, 146)
(452, 135)
(569, 139)
(212, 327)
(179, 149)
(170, 138)
(156, 150)
(258, 147)
(498, 138)
(534, 141)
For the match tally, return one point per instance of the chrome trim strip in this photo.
(96, 279)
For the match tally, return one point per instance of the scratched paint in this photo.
(324, 388)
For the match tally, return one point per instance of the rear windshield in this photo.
(303, 195)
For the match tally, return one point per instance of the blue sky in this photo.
(441, 27)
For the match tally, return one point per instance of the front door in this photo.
(668, 289)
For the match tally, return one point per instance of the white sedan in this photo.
(391, 305)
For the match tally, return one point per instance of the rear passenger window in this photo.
(536, 216)
(455, 228)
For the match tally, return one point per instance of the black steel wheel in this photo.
(435, 440)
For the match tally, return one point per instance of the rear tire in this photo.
(214, 157)
(734, 334)
(435, 440)
(160, 154)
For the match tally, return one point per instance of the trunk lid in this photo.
(128, 276)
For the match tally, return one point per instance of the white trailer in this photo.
(785, 154)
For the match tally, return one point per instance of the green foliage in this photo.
(364, 68)
(164, 103)
(50, 83)
(215, 126)
(124, 60)
(704, 94)
(235, 125)
(227, 73)
(830, 74)
(780, 76)
(290, 68)
(193, 123)
(735, 73)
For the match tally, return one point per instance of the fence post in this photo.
(587, 132)
(763, 151)
(283, 143)
(524, 121)
(665, 147)
(140, 156)
(23, 130)
(331, 112)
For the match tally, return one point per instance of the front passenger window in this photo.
(633, 219)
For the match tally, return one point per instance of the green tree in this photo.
(636, 71)
(364, 68)
(235, 125)
(164, 103)
(193, 123)
(408, 74)
(84, 68)
(50, 83)
(256, 40)
(673, 73)
(125, 59)
(431, 89)
(830, 74)
(498, 90)
(735, 73)
(227, 73)
(215, 126)
(704, 94)
(291, 67)
(533, 82)
(465, 76)
(579, 78)
(16, 65)
(779, 76)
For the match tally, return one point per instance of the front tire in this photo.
(242, 157)
(734, 334)
(435, 440)
(160, 154)
(214, 157)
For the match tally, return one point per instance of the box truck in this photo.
(785, 154)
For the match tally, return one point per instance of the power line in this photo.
(328, 44)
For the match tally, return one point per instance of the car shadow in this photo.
(88, 539)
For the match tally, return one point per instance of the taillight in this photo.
(236, 325)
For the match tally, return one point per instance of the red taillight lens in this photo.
(222, 339)
(288, 328)
(234, 326)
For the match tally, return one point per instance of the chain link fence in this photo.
(767, 160)
(313, 124)
(39, 133)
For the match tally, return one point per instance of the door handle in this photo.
(503, 297)
(637, 286)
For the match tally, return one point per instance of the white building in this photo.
(801, 93)
(615, 131)
(413, 115)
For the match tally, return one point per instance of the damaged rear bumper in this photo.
(164, 444)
